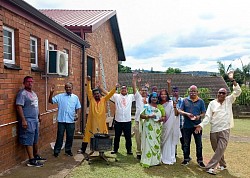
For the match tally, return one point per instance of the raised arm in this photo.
(52, 89)
(89, 91)
(169, 86)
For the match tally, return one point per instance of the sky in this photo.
(191, 35)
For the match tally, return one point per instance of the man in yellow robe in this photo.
(96, 121)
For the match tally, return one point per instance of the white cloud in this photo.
(196, 33)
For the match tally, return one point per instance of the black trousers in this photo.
(70, 129)
(188, 132)
(124, 127)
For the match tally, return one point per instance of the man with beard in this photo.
(192, 108)
(68, 110)
(220, 115)
(96, 121)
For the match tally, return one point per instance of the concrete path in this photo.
(53, 167)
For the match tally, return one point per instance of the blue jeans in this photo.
(70, 130)
(187, 134)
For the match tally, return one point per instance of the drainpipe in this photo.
(82, 126)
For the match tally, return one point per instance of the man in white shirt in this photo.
(220, 115)
(122, 122)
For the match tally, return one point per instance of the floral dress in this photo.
(151, 136)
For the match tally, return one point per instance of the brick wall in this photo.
(11, 152)
(102, 41)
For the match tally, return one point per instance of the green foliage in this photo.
(124, 69)
(240, 75)
(203, 93)
(244, 98)
(171, 70)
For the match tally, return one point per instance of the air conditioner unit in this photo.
(57, 63)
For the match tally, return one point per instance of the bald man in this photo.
(220, 115)
(192, 109)
(68, 111)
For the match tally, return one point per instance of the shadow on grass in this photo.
(178, 170)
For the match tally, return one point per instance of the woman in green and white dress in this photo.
(150, 122)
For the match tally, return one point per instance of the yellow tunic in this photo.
(96, 121)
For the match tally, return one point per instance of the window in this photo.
(8, 45)
(51, 46)
(65, 51)
(33, 52)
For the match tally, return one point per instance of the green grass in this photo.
(237, 157)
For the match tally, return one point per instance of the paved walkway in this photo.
(53, 167)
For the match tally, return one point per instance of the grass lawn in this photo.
(237, 157)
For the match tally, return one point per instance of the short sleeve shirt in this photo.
(29, 102)
(67, 105)
(196, 108)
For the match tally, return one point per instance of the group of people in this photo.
(160, 121)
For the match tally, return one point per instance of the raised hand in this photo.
(88, 78)
(169, 80)
(52, 88)
(97, 84)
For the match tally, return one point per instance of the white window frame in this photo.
(51, 46)
(10, 61)
(36, 53)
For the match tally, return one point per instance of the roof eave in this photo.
(34, 12)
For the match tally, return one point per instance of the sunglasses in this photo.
(222, 93)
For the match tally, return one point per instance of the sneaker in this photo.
(34, 163)
(69, 153)
(185, 163)
(39, 158)
(211, 171)
(201, 164)
(80, 151)
(221, 168)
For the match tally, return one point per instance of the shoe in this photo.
(34, 163)
(56, 155)
(201, 164)
(39, 158)
(185, 163)
(129, 152)
(138, 157)
(80, 151)
(221, 168)
(211, 171)
(114, 152)
(69, 153)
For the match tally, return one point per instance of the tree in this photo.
(124, 69)
(171, 70)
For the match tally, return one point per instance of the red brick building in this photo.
(26, 35)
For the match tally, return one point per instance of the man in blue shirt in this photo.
(68, 108)
(192, 108)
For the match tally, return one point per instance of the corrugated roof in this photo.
(79, 18)
(182, 81)
(87, 21)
